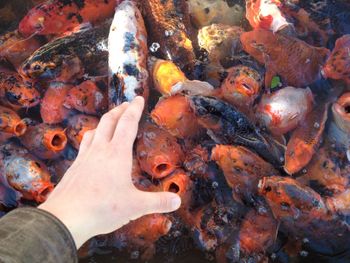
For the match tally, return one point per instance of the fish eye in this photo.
(37, 67)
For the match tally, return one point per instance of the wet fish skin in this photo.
(306, 139)
(17, 94)
(24, 172)
(169, 25)
(127, 60)
(44, 140)
(226, 125)
(242, 169)
(298, 63)
(70, 56)
(78, 125)
(60, 16)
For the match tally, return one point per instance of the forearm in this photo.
(34, 235)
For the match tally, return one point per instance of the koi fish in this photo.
(59, 16)
(170, 30)
(16, 49)
(242, 169)
(52, 110)
(175, 115)
(141, 234)
(25, 173)
(258, 232)
(298, 63)
(265, 14)
(127, 42)
(338, 63)
(324, 173)
(45, 141)
(207, 12)
(291, 201)
(241, 87)
(69, 56)
(17, 94)
(87, 98)
(341, 112)
(306, 139)
(11, 125)
(196, 161)
(277, 110)
(226, 125)
(78, 125)
(220, 41)
(158, 152)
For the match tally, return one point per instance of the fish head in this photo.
(29, 176)
(256, 43)
(341, 112)
(33, 22)
(290, 200)
(38, 69)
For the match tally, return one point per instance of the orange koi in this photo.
(44, 140)
(58, 16)
(87, 98)
(298, 63)
(25, 173)
(158, 152)
(52, 110)
(306, 139)
(77, 126)
(176, 116)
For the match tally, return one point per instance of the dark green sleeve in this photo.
(34, 235)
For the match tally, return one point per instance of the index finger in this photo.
(126, 130)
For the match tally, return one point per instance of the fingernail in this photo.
(175, 202)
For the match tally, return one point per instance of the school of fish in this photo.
(247, 119)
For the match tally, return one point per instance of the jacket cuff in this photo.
(36, 236)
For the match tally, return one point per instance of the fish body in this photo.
(59, 16)
(278, 112)
(298, 63)
(127, 41)
(16, 93)
(44, 140)
(169, 25)
(175, 115)
(78, 125)
(157, 151)
(242, 169)
(226, 125)
(265, 14)
(258, 232)
(338, 64)
(70, 56)
(220, 41)
(25, 173)
(16, 49)
(11, 125)
(52, 110)
(87, 98)
(141, 234)
(306, 139)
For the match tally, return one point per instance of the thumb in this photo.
(161, 202)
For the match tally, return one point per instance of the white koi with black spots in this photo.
(127, 44)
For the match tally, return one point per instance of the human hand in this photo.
(96, 195)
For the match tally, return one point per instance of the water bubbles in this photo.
(135, 254)
(306, 240)
(304, 171)
(316, 125)
(169, 33)
(304, 253)
(215, 185)
(154, 47)
(281, 159)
